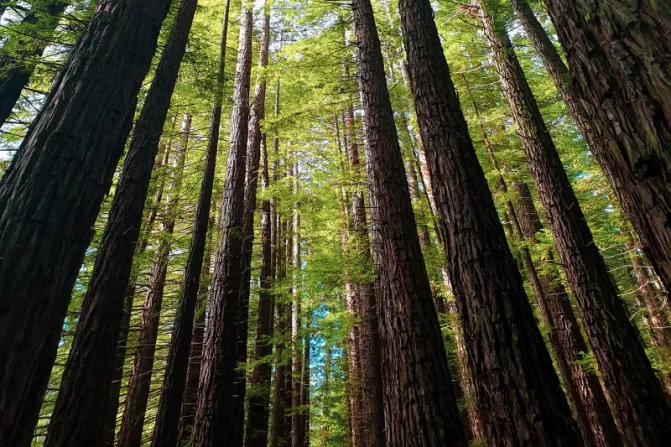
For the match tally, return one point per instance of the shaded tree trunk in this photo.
(110, 425)
(88, 378)
(190, 398)
(215, 413)
(37, 29)
(132, 423)
(618, 94)
(499, 327)
(51, 194)
(251, 186)
(420, 407)
(166, 429)
(584, 390)
(370, 422)
(587, 274)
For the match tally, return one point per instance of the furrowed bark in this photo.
(166, 430)
(216, 401)
(132, 423)
(618, 91)
(605, 319)
(259, 399)
(79, 414)
(51, 194)
(504, 344)
(420, 407)
(190, 398)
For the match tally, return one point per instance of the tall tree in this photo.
(584, 391)
(498, 323)
(190, 398)
(420, 406)
(88, 375)
(618, 95)
(166, 430)
(257, 426)
(254, 141)
(604, 316)
(216, 400)
(51, 194)
(21, 53)
(132, 424)
(297, 426)
(370, 420)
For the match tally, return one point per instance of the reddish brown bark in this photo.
(51, 194)
(215, 414)
(130, 433)
(190, 398)
(587, 274)
(166, 428)
(618, 92)
(584, 390)
(503, 342)
(259, 399)
(420, 407)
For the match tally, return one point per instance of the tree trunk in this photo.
(110, 424)
(216, 409)
(278, 426)
(51, 194)
(130, 433)
(659, 328)
(503, 341)
(79, 414)
(619, 97)
(259, 399)
(166, 429)
(190, 398)
(592, 411)
(586, 272)
(37, 30)
(420, 407)
(370, 413)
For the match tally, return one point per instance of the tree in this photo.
(586, 271)
(618, 97)
(216, 402)
(480, 262)
(166, 430)
(415, 369)
(95, 343)
(52, 191)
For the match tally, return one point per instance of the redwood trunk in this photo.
(51, 194)
(370, 422)
(604, 316)
(79, 414)
(190, 398)
(593, 413)
(215, 413)
(36, 32)
(166, 429)
(130, 433)
(420, 407)
(618, 55)
(502, 339)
